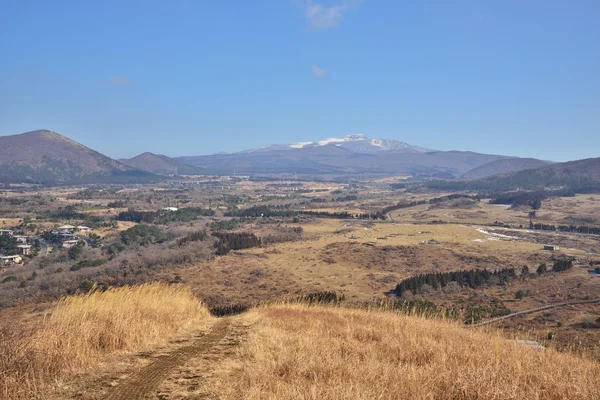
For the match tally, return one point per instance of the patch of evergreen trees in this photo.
(197, 236)
(142, 235)
(566, 228)
(563, 264)
(472, 278)
(8, 245)
(235, 241)
(147, 217)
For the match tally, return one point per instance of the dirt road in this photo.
(145, 382)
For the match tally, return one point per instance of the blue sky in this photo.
(185, 77)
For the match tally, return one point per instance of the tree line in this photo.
(261, 211)
(472, 278)
(164, 216)
(565, 228)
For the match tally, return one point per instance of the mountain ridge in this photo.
(158, 164)
(44, 156)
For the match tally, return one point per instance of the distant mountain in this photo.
(355, 155)
(46, 157)
(159, 164)
(504, 166)
(357, 143)
(579, 176)
(334, 160)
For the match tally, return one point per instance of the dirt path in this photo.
(145, 382)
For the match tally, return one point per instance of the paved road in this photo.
(44, 248)
(533, 310)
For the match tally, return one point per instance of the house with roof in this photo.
(84, 229)
(67, 244)
(25, 249)
(66, 229)
(10, 260)
(21, 239)
(6, 232)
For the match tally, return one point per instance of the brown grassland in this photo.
(280, 351)
(299, 352)
(80, 331)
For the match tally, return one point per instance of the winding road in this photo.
(533, 310)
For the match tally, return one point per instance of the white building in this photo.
(66, 229)
(67, 244)
(84, 229)
(10, 260)
(170, 209)
(21, 239)
(25, 249)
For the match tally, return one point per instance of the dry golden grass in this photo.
(80, 330)
(360, 272)
(296, 352)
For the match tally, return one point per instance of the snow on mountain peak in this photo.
(356, 142)
(356, 136)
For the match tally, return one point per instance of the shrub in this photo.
(10, 278)
(75, 252)
(542, 269)
(87, 264)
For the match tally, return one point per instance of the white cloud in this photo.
(318, 72)
(322, 16)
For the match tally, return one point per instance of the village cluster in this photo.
(68, 235)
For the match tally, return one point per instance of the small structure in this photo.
(6, 232)
(170, 209)
(21, 239)
(25, 249)
(66, 229)
(551, 247)
(67, 244)
(84, 229)
(10, 260)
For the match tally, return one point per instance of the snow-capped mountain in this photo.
(357, 143)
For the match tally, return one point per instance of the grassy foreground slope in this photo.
(295, 352)
(80, 331)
